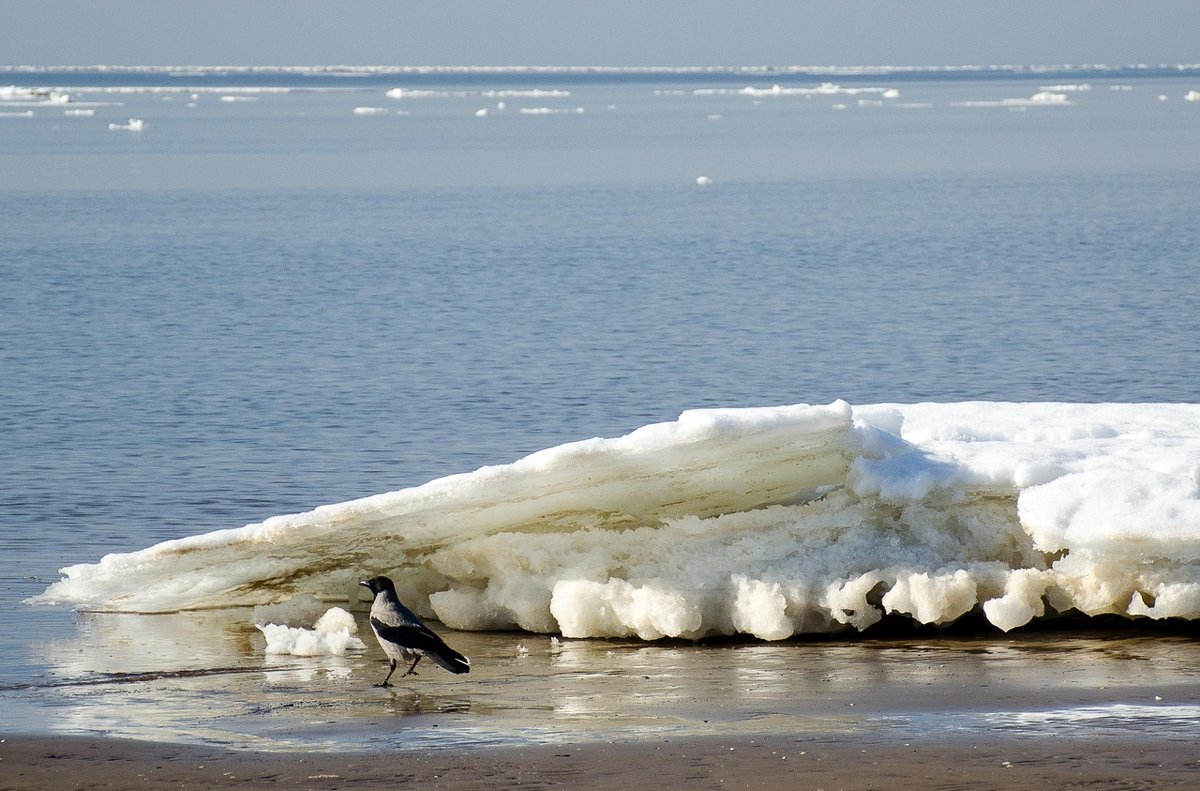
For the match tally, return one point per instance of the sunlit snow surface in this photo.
(768, 522)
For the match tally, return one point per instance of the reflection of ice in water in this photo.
(192, 677)
(1118, 716)
(204, 677)
(125, 643)
(285, 671)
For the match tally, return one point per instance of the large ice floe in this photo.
(768, 522)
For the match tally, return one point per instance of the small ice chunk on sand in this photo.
(332, 635)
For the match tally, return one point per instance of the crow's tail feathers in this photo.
(450, 659)
(417, 637)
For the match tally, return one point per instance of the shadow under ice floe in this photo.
(767, 522)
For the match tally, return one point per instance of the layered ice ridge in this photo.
(768, 522)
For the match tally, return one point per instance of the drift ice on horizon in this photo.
(768, 522)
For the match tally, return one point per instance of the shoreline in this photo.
(981, 760)
(1094, 708)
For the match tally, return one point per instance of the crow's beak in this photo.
(364, 583)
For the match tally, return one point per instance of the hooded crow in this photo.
(402, 636)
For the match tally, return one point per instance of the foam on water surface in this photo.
(768, 522)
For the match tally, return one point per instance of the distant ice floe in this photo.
(35, 97)
(1039, 99)
(370, 111)
(18, 96)
(10, 93)
(768, 522)
(824, 89)
(192, 91)
(1049, 97)
(550, 111)
(134, 125)
(703, 181)
(1192, 96)
(529, 93)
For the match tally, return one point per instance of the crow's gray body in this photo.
(403, 637)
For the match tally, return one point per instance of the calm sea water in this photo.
(256, 307)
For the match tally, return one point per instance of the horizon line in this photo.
(679, 69)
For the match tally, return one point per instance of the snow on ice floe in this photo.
(767, 522)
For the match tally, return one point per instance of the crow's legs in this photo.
(392, 669)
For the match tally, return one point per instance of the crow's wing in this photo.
(420, 638)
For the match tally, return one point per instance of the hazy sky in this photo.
(613, 32)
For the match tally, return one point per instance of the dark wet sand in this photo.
(33, 763)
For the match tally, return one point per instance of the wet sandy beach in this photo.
(765, 762)
(190, 700)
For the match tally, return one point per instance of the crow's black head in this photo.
(377, 584)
